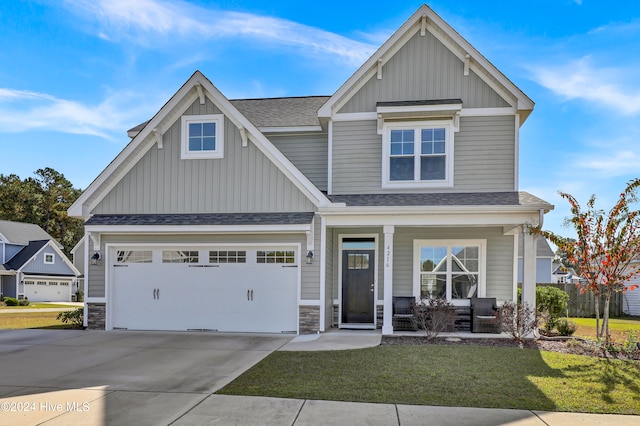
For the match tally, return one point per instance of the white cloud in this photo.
(144, 21)
(580, 79)
(22, 110)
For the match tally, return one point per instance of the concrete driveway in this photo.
(118, 377)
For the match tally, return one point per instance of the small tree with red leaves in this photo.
(606, 245)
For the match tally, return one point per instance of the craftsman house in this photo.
(301, 214)
(33, 266)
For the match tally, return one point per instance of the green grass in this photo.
(469, 376)
(36, 305)
(31, 320)
(617, 326)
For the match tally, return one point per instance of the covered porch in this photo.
(372, 257)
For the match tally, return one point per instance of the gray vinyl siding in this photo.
(357, 158)
(484, 156)
(78, 258)
(422, 69)
(308, 153)
(11, 250)
(95, 283)
(499, 266)
(245, 180)
(37, 265)
(310, 274)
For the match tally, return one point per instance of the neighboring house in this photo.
(564, 275)
(301, 214)
(32, 264)
(544, 260)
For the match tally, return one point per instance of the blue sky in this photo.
(76, 74)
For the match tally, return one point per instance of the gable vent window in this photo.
(202, 136)
(418, 155)
(49, 258)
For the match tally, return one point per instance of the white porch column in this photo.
(529, 268)
(387, 321)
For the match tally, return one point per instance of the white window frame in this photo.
(416, 126)
(53, 259)
(482, 265)
(187, 154)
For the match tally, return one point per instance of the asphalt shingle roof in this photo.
(21, 233)
(203, 219)
(281, 112)
(275, 112)
(443, 199)
(24, 255)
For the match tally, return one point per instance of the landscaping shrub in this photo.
(10, 301)
(80, 296)
(518, 320)
(566, 327)
(434, 316)
(75, 317)
(24, 302)
(551, 303)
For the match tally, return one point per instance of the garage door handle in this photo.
(120, 266)
(251, 294)
(210, 266)
(158, 292)
(248, 293)
(289, 266)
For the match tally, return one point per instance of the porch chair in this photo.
(484, 315)
(403, 313)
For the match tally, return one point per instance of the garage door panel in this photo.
(241, 296)
(47, 290)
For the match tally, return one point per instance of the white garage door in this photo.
(44, 290)
(245, 289)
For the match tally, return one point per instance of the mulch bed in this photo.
(570, 346)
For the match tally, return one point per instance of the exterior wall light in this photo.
(309, 258)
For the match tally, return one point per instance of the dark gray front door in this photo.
(358, 286)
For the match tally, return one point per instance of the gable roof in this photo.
(146, 138)
(32, 249)
(425, 18)
(21, 233)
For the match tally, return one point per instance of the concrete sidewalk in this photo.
(241, 410)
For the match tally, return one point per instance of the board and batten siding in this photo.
(310, 274)
(484, 156)
(37, 265)
(245, 180)
(308, 152)
(424, 69)
(499, 263)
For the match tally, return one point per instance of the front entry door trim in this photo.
(374, 238)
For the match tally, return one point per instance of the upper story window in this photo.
(202, 136)
(49, 258)
(418, 154)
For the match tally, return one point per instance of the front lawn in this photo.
(31, 320)
(37, 305)
(456, 375)
(617, 326)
